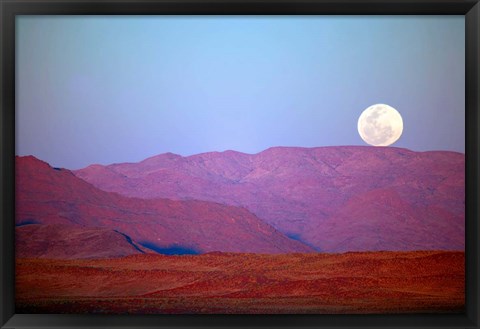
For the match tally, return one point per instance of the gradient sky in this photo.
(120, 89)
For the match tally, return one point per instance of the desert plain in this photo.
(227, 283)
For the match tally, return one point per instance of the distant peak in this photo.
(27, 158)
(95, 166)
(167, 155)
(30, 160)
(172, 155)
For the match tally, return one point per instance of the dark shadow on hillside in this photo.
(296, 237)
(173, 249)
(129, 240)
(27, 222)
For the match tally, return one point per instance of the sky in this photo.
(98, 89)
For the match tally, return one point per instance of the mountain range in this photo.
(334, 199)
(73, 208)
(281, 200)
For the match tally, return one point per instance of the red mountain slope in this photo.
(334, 198)
(46, 195)
(69, 241)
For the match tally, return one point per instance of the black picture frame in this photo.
(10, 8)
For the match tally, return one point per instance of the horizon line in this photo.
(238, 152)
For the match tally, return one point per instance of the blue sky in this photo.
(120, 89)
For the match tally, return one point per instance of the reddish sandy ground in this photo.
(373, 282)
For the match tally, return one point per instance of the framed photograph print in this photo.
(264, 164)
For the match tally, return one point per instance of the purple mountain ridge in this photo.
(56, 209)
(346, 198)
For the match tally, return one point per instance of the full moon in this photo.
(380, 125)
